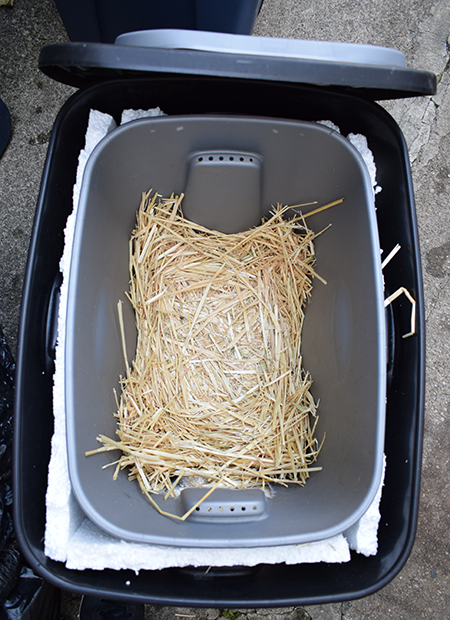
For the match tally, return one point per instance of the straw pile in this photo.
(216, 394)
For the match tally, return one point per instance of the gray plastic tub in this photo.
(344, 332)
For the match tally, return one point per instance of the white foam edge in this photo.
(93, 548)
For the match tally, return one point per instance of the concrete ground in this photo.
(420, 29)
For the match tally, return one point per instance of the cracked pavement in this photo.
(418, 28)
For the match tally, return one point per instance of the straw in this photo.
(403, 291)
(216, 394)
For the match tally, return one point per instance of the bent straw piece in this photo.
(403, 291)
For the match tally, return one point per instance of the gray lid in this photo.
(371, 71)
(226, 43)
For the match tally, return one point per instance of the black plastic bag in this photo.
(10, 559)
(23, 595)
(32, 598)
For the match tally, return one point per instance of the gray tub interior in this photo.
(343, 337)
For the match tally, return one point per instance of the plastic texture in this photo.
(264, 585)
(264, 46)
(343, 343)
(104, 20)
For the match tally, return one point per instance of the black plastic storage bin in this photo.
(104, 20)
(199, 83)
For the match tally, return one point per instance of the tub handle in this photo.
(51, 326)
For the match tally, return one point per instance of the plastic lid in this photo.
(377, 73)
(263, 46)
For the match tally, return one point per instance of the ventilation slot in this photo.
(225, 505)
(223, 190)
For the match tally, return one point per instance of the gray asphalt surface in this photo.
(420, 29)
